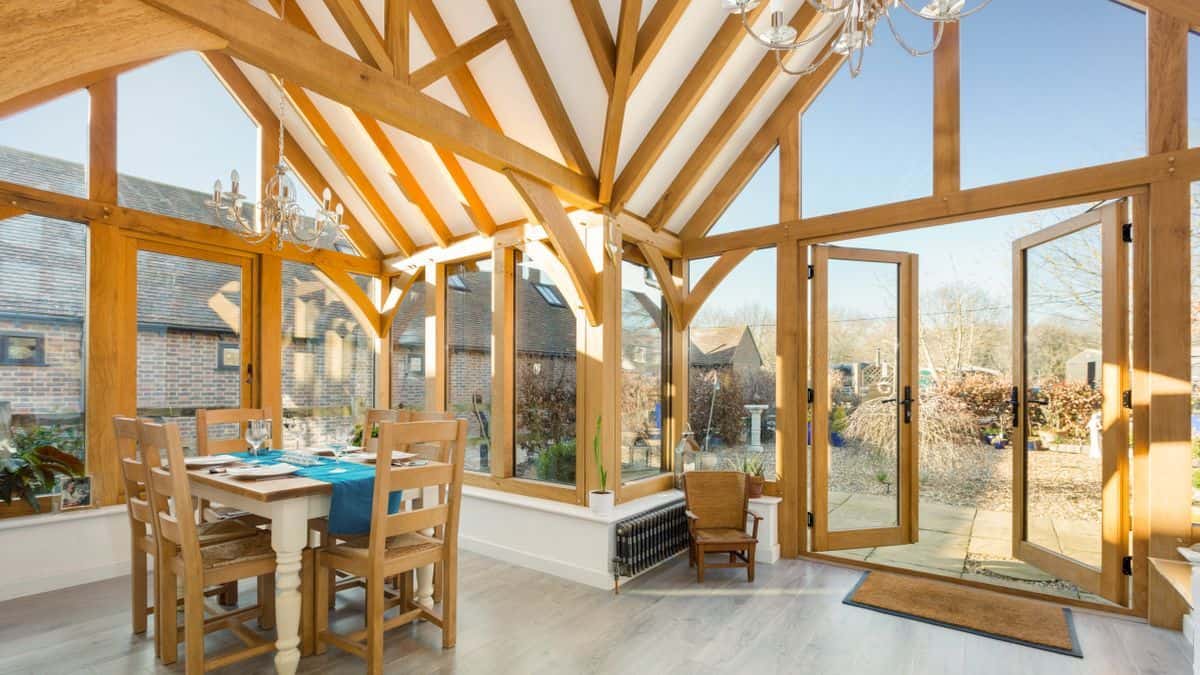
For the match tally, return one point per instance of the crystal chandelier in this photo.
(278, 214)
(852, 28)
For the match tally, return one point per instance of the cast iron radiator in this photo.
(644, 540)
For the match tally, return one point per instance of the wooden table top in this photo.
(269, 489)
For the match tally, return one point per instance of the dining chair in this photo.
(396, 544)
(143, 532)
(183, 557)
(438, 452)
(208, 445)
(717, 511)
(374, 418)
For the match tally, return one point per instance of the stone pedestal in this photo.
(756, 414)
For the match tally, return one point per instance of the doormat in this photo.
(996, 615)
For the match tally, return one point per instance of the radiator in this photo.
(644, 540)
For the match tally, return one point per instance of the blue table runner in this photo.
(353, 490)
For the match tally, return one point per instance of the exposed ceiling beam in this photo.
(598, 37)
(353, 297)
(260, 111)
(438, 68)
(797, 100)
(1187, 10)
(260, 39)
(438, 36)
(614, 120)
(653, 35)
(358, 28)
(673, 293)
(395, 19)
(544, 92)
(805, 21)
(676, 112)
(638, 231)
(49, 93)
(704, 287)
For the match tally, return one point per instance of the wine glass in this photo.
(258, 432)
(341, 446)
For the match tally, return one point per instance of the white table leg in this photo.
(424, 575)
(289, 533)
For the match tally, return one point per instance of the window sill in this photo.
(620, 511)
(53, 517)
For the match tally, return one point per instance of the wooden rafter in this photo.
(673, 292)
(358, 28)
(639, 231)
(545, 209)
(805, 21)
(442, 43)
(356, 300)
(691, 90)
(50, 92)
(544, 93)
(395, 29)
(797, 100)
(598, 37)
(614, 119)
(8, 211)
(438, 68)
(235, 81)
(261, 39)
(653, 35)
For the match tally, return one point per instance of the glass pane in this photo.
(856, 156)
(43, 297)
(469, 354)
(1042, 107)
(189, 316)
(643, 326)
(731, 365)
(328, 362)
(178, 131)
(757, 204)
(545, 378)
(864, 417)
(408, 350)
(1194, 87)
(46, 147)
(1195, 337)
(1063, 363)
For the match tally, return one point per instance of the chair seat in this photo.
(723, 535)
(224, 530)
(245, 549)
(397, 547)
(216, 513)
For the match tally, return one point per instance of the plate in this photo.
(263, 471)
(370, 456)
(208, 460)
(1192, 554)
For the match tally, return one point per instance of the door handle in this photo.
(1015, 402)
(907, 402)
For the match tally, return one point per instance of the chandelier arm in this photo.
(956, 17)
(937, 38)
(814, 65)
(820, 6)
(856, 69)
(789, 47)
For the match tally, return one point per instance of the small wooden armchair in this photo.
(717, 511)
(183, 557)
(400, 543)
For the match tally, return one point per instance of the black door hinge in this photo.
(810, 271)
(810, 519)
(1127, 399)
(811, 395)
(1127, 232)
(1127, 566)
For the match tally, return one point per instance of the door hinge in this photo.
(1127, 232)
(810, 519)
(810, 271)
(811, 395)
(1127, 566)
(1127, 399)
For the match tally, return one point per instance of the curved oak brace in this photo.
(711, 279)
(364, 311)
(401, 285)
(45, 42)
(672, 292)
(545, 209)
(554, 268)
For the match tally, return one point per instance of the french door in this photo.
(864, 318)
(1070, 427)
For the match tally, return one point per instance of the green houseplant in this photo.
(27, 471)
(755, 468)
(600, 501)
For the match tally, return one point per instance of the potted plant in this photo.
(755, 469)
(600, 501)
(26, 472)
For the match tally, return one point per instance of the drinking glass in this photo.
(258, 433)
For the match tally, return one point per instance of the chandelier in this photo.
(277, 214)
(852, 28)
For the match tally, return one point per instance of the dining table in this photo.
(289, 503)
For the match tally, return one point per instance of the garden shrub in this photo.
(727, 411)
(557, 463)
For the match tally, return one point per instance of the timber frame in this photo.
(584, 241)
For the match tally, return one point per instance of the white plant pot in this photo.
(601, 503)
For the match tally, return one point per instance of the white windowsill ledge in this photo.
(620, 511)
(47, 519)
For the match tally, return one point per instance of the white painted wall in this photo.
(52, 551)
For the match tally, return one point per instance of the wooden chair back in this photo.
(718, 498)
(440, 515)
(376, 417)
(205, 419)
(133, 475)
(176, 528)
(438, 452)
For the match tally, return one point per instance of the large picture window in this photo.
(545, 378)
(643, 374)
(46, 147)
(408, 350)
(469, 355)
(43, 296)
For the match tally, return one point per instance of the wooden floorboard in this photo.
(516, 620)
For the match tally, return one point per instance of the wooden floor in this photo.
(514, 620)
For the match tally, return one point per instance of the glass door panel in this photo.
(191, 328)
(1070, 515)
(864, 407)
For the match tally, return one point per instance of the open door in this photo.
(864, 364)
(1070, 371)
